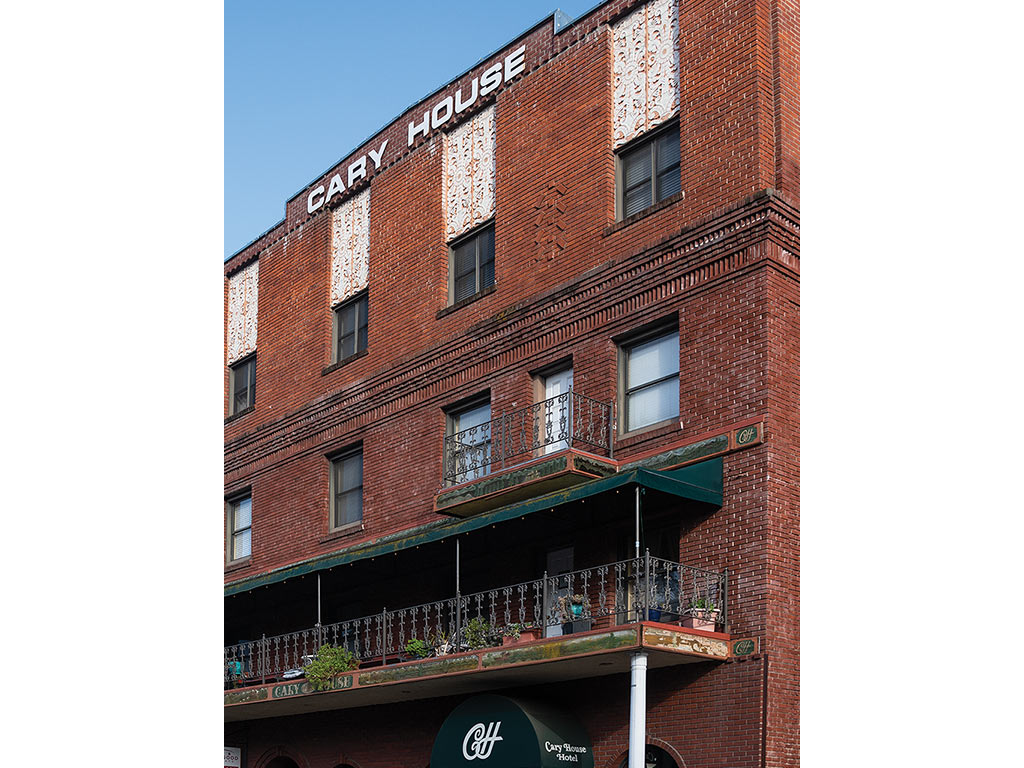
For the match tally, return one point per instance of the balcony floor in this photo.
(588, 654)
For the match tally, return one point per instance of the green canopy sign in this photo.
(490, 731)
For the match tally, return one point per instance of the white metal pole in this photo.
(318, 599)
(637, 542)
(638, 710)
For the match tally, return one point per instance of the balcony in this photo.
(547, 446)
(578, 616)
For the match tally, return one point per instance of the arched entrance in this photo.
(282, 761)
(654, 757)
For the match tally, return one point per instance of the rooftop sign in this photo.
(493, 77)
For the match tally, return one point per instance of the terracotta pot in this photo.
(703, 620)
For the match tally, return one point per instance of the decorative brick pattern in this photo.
(243, 295)
(469, 168)
(350, 247)
(646, 70)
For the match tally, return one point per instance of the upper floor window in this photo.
(651, 378)
(239, 528)
(350, 327)
(472, 264)
(648, 172)
(347, 490)
(242, 385)
(467, 453)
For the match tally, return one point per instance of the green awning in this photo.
(510, 733)
(701, 482)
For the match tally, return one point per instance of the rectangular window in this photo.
(347, 490)
(649, 172)
(472, 264)
(350, 327)
(239, 528)
(468, 445)
(242, 385)
(651, 379)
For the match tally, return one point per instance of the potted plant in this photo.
(417, 649)
(519, 633)
(479, 634)
(329, 662)
(441, 643)
(703, 615)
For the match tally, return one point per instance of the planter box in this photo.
(524, 637)
(703, 620)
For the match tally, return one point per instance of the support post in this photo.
(638, 710)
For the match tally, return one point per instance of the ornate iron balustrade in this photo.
(627, 591)
(562, 421)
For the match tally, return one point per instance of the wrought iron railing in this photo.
(563, 421)
(643, 588)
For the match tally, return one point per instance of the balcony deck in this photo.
(586, 654)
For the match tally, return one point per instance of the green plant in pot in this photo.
(517, 632)
(703, 614)
(479, 634)
(417, 648)
(329, 662)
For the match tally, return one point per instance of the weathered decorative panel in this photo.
(469, 174)
(243, 291)
(350, 247)
(645, 67)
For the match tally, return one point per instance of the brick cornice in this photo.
(690, 260)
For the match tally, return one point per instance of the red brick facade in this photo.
(722, 260)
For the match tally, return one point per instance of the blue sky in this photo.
(306, 81)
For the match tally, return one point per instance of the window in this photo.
(472, 264)
(242, 384)
(239, 528)
(350, 327)
(648, 172)
(468, 445)
(347, 490)
(651, 367)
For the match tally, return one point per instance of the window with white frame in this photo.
(650, 378)
(239, 528)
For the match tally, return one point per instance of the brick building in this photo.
(526, 363)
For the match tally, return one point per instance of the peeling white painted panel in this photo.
(645, 70)
(469, 174)
(350, 247)
(243, 293)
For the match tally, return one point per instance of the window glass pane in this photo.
(361, 307)
(472, 417)
(487, 274)
(465, 286)
(346, 320)
(241, 545)
(637, 200)
(487, 245)
(361, 339)
(653, 404)
(668, 151)
(346, 346)
(351, 472)
(465, 258)
(241, 399)
(348, 508)
(243, 514)
(652, 360)
(668, 183)
(637, 166)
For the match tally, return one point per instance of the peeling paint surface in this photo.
(246, 696)
(422, 669)
(645, 70)
(350, 247)
(243, 293)
(559, 649)
(469, 174)
(681, 641)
